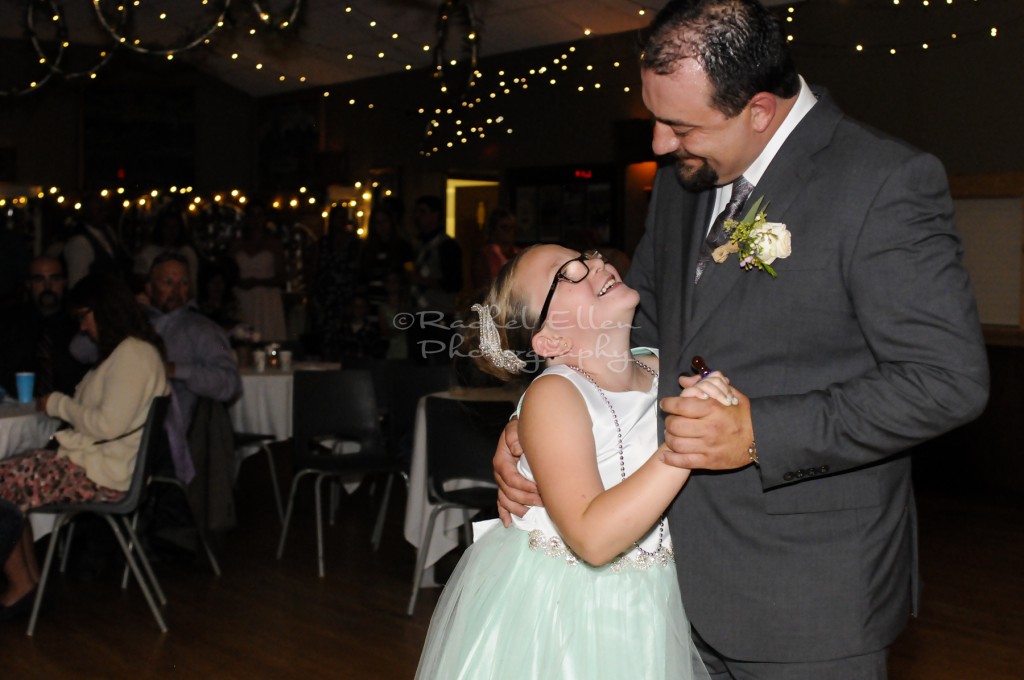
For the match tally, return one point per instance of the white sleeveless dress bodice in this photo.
(638, 419)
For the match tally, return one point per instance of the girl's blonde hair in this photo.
(514, 322)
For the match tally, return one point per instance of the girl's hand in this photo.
(713, 386)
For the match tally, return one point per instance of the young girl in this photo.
(584, 587)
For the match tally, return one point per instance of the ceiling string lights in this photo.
(191, 41)
(270, 21)
(120, 20)
(125, 21)
(924, 13)
(53, 19)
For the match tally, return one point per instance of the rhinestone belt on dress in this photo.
(636, 560)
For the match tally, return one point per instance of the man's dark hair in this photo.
(168, 256)
(432, 202)
(738, 43)
(117, 314)
(170, 215)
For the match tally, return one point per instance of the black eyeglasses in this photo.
(573, 271)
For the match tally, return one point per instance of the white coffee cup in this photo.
(259, 360)
(285, 356)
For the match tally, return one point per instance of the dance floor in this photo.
(269, 619)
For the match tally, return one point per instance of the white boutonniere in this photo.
(757, 241)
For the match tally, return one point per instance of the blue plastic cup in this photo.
(26, 383)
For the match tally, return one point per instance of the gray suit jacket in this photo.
(866, 344)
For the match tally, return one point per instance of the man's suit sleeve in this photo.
(641, 277)
(915, 305)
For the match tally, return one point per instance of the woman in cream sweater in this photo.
(95, 457)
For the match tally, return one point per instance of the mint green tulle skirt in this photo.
(509, 612)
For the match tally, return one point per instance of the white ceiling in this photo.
(331, 41)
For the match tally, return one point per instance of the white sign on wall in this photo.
(991, 229)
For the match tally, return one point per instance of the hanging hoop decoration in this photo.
(105, 55)
(268, 20)
(136, 45)
(458, 12)
(61, 39)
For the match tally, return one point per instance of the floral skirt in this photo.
(41, 477)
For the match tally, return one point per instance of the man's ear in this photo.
(763, 107)
(550, 346)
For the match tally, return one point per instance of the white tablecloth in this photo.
(417, 509)
(265, 405)
(23, 428)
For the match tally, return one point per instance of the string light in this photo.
(921, 14)
(118, 31)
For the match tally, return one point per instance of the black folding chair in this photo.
(461, 436)
(153, 439)
(245, 440)
(407, 383)
(330, 409)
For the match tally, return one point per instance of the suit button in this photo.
(799, 474)
(811, 472)
(824, 469)
(788, 477)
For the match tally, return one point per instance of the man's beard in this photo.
(47, 303)
(701, 179)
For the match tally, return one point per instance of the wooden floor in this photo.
(269, 619)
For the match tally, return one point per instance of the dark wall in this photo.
(959, 99)
(159, 122)
(953, 99)
(551, 125)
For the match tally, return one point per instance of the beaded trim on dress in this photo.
(634, 559)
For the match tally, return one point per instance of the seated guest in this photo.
(390, 313)
(170, 235)
(36, 335)
(201, 368)
(199, 358)
(360, 337)
(95, 457)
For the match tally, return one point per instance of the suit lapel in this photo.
(781, 185)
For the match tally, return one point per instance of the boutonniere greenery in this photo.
(757, 241)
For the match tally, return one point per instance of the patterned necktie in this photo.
(741, 189)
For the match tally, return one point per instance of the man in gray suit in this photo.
(796, 535)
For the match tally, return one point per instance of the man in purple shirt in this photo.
(200, 364)
(199, 358)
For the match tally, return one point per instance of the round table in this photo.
(23, 428)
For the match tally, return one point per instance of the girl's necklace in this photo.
(622, 457)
